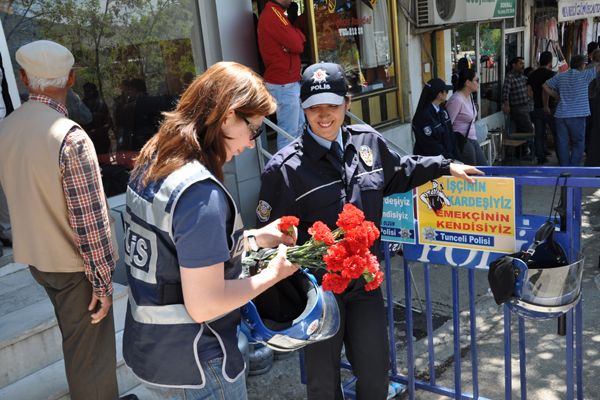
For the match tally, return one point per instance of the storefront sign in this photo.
(398, 221)
(481, 216)
(477, 10)
(569, 10)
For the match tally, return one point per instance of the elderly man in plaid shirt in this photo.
(516, 96)
(60, 224)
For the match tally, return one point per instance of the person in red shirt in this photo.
(280, 45)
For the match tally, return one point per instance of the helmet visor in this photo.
(329, 323)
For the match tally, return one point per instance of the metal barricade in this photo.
(569, 237)
(472, 260)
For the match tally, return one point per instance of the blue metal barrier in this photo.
(569, 237)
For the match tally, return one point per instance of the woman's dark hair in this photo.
(427, 97)
(464, 76)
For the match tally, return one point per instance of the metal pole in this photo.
(473, 320)
(410, 358)
(428, 314)
(456, 325)
(390, 307)
(507, 355)
(522, 358)
(570, 354)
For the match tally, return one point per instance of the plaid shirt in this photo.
(515, 90)
(86, 205)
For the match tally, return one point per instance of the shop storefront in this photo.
(565, 27)
(360, 35)
(132, 62)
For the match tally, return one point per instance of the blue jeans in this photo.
(217, 388)
(290, 116)
(570, 141)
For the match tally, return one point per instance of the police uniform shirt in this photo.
(304, 180)
(433, 132)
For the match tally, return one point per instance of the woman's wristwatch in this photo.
(251, 242)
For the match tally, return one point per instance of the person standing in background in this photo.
(543, 105)
(59, 217)
(431, 124)
(280, 45)
(570, 89)
(516, 97)
(463, 114)
(592, 144)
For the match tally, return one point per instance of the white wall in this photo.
(414, 66)
(448, 54)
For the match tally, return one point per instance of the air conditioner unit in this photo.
(439, 12)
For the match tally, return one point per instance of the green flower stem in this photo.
(308, 255)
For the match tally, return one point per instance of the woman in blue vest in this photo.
(184, 240)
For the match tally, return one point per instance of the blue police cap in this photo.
(323, 83)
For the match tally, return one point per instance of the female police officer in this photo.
(312, 178)
(431, 124)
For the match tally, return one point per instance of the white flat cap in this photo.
(45, 59)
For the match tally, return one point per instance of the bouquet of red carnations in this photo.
(344, 252)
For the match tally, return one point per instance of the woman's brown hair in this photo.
(193, 130)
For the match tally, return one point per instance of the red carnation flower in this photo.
(372, 263)
(321, 232)
(343, 253)
(336, 254)
(376, 280)
(353, 267)
(350, 217)
(287, 224)
(335, 283)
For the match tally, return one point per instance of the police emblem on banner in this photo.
(263, 211)
(366, 154)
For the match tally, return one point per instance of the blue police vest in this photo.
(161, 342)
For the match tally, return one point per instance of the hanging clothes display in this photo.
(547, 38)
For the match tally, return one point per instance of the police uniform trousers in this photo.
(363, 332)
(89, 350)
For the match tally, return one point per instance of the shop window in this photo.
(490, 50)
(133, 60)
(357, 35)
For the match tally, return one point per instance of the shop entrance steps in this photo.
(31, 361)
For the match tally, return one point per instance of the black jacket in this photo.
(304, 180)
(433, 133)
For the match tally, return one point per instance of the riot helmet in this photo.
(292, 314)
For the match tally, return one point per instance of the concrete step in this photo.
(50, 383)
(30, 339)
(19, 290)
(6, 257)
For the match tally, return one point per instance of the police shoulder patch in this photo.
(263, 211)
(427, 130)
